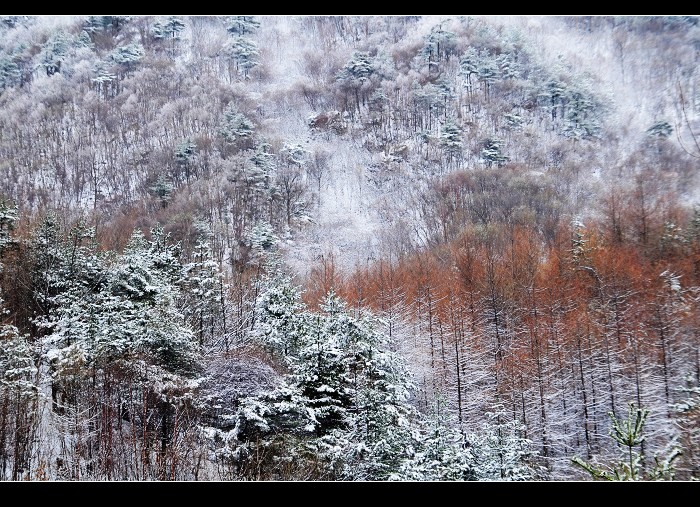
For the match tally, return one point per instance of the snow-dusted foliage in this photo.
(204, 295)
(16, 365)
(279, 324)
(8, 221)
(343, 409)
(129, 311)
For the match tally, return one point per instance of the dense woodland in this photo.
(349, 248)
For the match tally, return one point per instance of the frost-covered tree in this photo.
(19, 396)
(236, 127)
(10, 74)
(582, 116)
(54, 52)
(345, 397)
(439, 44)
(440, 452)
(130, 309)
(244, 53)
(660, 129)
(262, 239)
(378, 434)
(279, 325)
(105, 79)
(291, 183)
(487, 71)
(95, 24)
(162, 189)
(492, 152)
(204, 292)
(127, 56)
(320, 370)
(688, 418)
(468, 67)
(501, 452)
(451, 138)
(118, 341)
(50, 273)
(169, 29)
(185, 157)
(9, 215)
(242, 25)
(354, 79)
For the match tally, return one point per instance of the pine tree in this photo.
(501, 452)
(628, 434)
(278, 323)
(379, 432)
(122, 309)
(244, 53)
(9, 215)
(242, 25)
(451, 138)
(440, 451)
(492, 152)
(54, 52)
(236, 127)
(204, 294)
(19, 397)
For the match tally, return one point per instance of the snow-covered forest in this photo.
(349, 248)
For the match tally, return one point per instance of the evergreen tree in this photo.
(582, 120)
(19, 397)
(54, 52)
(242, 25)
(127, 309)
(439, 45)
(10, 74)
(320, 370)
(127, 56)
(354, 76)
(236, 126)
(492, 152)
(9, 215)
(451, 137)
(379, 434)
(660, 129)
(168, 29)
(204, 294)
(440, 452)
(244, 53)
(500, 452)
(628, 434)
(279, 324)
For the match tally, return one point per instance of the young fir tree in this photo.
(628, 434)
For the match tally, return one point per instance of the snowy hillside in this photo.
(416, 248)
